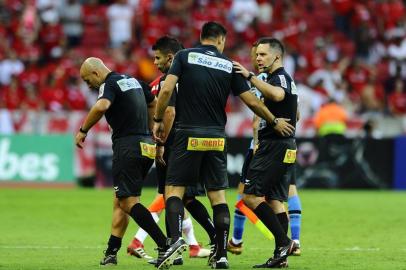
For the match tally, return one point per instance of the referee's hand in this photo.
(284, 128)
(158, 132)
(80, 139)
(160, 150)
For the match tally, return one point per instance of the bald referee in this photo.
(125, 102)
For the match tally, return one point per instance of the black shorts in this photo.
(246, 165)
(198, 156)
(194, 191)
(292, 174)
(270, 169)
(131, 162)
(191, 191)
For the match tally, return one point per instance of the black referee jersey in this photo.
(287, 108)
(128, 113)
(206, 78)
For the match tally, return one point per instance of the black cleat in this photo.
(212, 256)
(279, 260)
(177, 261)
(271, 264)
(222, 263)
(166, 258)
(109, 260)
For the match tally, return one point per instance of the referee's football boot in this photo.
(212, 256)
(222, 263)
(280, 257)
(109, 259)
(177, 261)
(167, 257)
(270, 264)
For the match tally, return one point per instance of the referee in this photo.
(127, 104)
(206, 78)
(267, 182)
(165, 49)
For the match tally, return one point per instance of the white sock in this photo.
(235, 241)
(187, 229)
(141, 234)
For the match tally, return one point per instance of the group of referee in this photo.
(200, 80)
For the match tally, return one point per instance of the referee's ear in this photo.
(170, 57)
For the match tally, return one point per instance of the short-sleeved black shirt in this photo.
(206, 78)
(172, 103)
(287, 108)
(128, 113)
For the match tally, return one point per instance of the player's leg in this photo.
(214, 175)
(267, 177)
(136, 247)
(118, 228)
(195, 250)
(183, 166)
(129, 171)
(234, 245)
(295, 216)
(199, 212)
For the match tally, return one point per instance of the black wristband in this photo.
(82, 130)
(160, 144)
(250, 76)
(157, 120)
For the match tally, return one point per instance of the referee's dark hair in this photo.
(167, 44)
(273, 43)
(212, 30)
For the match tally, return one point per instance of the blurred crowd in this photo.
(352, 52)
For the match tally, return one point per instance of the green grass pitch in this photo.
(68, 229)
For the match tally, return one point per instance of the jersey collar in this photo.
(276, 70)
(212, 47)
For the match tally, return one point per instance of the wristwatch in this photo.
(274, 122)
(250, 76)
(82, 130)
(157, 120)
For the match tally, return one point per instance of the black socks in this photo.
(200, 214)
(174, 217)
(143, 218)
(284, 221)
(113, 245)
(265, 213)
(221, 218)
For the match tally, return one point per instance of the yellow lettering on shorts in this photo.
(290, 156)
(148, 150)
(205, 144)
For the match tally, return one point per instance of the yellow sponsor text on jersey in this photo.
(205, 144)
(290, 156)
(148, 150)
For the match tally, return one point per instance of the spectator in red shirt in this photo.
(357, 76)
(53, 95)
(12, 95)
(397, 100)
(76, 100)
(32, 100)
